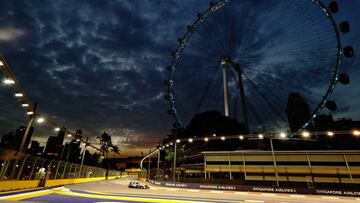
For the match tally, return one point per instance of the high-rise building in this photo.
(53, 147)
(72, 151)
(297, 111)
(35, 148)
(13, 141)
(7, 141)
(61, 135)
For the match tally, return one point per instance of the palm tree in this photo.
(106, 147)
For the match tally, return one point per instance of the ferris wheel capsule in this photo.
(344, 78)
(331, 105)
(348, 51)
(333, 7)
(344, 27)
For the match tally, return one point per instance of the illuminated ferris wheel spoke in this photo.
(206, 90)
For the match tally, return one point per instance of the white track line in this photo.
(268, 194)
(302, 196)
(23, 194)
(241, 193)
(249, 200)
(192, 190)
(216, 191)
(327, 197)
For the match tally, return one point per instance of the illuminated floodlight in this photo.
(163, 147)
(206, 139)
(241, 137)
(214, 135)
(167, 145)
(40, 120)
(356, 132)
(24, 105)
(305, 134)
(9, 82)
(177, 141)
(69, 135)
(260, 136)
(283, 135)
(222, 138)
(77, 140)
(19, 95)
(190, 140)
(171, 143)
(30, 113)
(1, 63)
(57, 129)
(330, 133)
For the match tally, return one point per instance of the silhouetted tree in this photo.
(106, 147)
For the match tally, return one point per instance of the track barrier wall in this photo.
(60, 182)
(248, 188)
(18, 184)
(30, 184)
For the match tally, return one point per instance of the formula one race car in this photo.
(137, 185)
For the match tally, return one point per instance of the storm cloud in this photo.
(101, 65)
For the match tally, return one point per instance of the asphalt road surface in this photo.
(118, 191)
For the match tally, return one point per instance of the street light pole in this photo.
(148, 175)
(274, 160)
(21, 148)
(226, 88)
(174, 169)
(158, 164)
(83, 156)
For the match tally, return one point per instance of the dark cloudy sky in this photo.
(100, 65)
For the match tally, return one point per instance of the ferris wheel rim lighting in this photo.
(8, 81)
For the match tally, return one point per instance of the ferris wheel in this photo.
(247, 59)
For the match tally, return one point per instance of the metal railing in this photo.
(36, 168)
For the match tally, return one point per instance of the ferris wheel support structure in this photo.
(225, 63)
